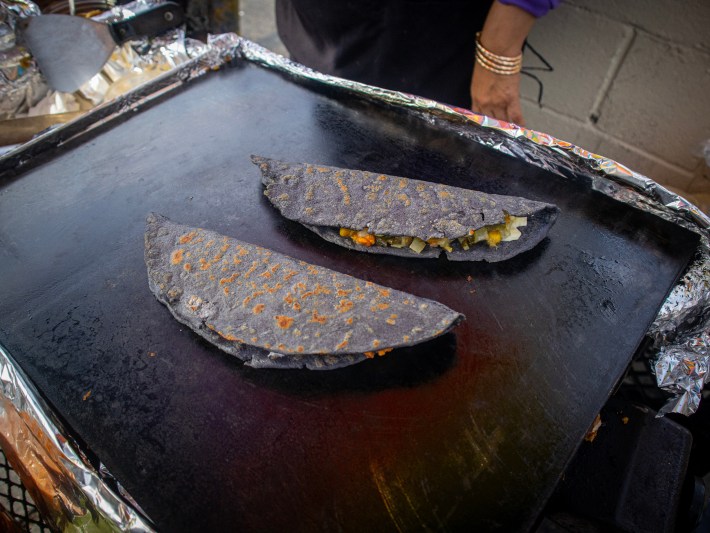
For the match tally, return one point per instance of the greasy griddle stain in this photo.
(246, 294)
(325, 199)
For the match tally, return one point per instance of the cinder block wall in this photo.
(631, 81)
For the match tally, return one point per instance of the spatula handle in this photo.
(148, 23)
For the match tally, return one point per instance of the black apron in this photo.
(422, 47)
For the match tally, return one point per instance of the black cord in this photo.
(527, 70)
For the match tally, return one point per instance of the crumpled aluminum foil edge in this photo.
(65, 487)
(691, 296)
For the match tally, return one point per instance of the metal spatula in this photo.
(69, 50)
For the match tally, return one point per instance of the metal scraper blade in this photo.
(69, 50)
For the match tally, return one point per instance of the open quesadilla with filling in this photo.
(379, 213)
(273, 311)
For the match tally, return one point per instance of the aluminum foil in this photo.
(672, 330)
(21, 84)
(69, 493)
(683, 371)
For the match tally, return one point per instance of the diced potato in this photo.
(345, 232)
(417, 245)
(511, 234)
(518, 222)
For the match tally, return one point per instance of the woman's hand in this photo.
(503, 34)
(496, 95)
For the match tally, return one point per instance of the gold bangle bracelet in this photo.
(496, 70)
(504, 65)
(489, 63)
(495, 58)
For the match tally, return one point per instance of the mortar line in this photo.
(616, 62)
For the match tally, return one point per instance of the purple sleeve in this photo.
(537, 8)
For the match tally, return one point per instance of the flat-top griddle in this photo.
(471, 430)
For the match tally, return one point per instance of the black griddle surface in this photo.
(469, 431)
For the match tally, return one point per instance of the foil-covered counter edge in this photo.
(69, 493)
(677, 330)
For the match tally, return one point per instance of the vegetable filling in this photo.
(493, 235)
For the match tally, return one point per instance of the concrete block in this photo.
(564, 128)
(581, 46)
(659, 101)
(258, 23)
(686, 22)
(644, 163)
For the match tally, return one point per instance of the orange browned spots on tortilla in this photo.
(375, 343)
(371, 196)
(229, 337)
(251, 270)
(209, 243)
(272, 290)
(265, 274)
(379, 307)
(289, 275)
(402, 183)
(308, 211)
(236, 260)
(344, 306)
(369, 355)
(230, 279)
(254, 339)
(204, 265)
(420, 187)
(343, 292)
(226, 291)
(406, 338)
(212, 277)
(187, 237)
(241, 251)
(267, 345)
(382, 177)
(319, 289)
(392, 320)
(301, 286)
(345, 341)
(296, 306)
(319, 319)
(188, 267)
(344, 189)
(385, 293)
(289, 299)
(251, 297)
(443, 194)
(281, 347)
(299, 348)
(310, 193)
(383, 352)
(176, 256)
(405, 199)
(283, 321)
(312, 270)
(349, 320)
(258, 308)
(309, 169)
